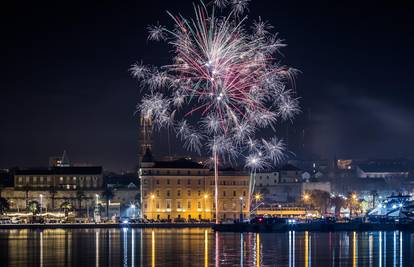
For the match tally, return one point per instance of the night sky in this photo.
(65, 82)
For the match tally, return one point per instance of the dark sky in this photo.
(65, 83)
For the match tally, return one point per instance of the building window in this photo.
(199, 181)
(199, 205)
(188, 181)
(178, 204)
(189, 204)
(67, 186)
(168, 181)
(168, 204)
(145, 181)
(34, 179)
(74, 178)
(178, 192)
(157, 181)
(178, 181)
(224, 193)
(189, 193)
(178, 172)
(145, 205)
(158, 193)
(234, 193)
(199, 193)
(20, 179)
(168, 193)
(157, 205)
(244, 193)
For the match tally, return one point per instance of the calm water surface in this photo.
(201, 247)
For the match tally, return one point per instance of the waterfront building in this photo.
(184, 190)
(382, 170)
(52, 187)
(285, 184)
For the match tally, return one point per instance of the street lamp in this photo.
(257, 197)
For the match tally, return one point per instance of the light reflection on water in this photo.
(202, 247)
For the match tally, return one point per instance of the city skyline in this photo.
(67, 84)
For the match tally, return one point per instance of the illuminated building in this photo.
(183, 189)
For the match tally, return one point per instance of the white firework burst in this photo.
(274, 149)
(139, 71)
(156, 33)
(240, 6)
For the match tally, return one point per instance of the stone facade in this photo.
(183, 189)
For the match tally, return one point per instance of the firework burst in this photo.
(226, 76)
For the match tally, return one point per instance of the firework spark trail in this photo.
(227, 76)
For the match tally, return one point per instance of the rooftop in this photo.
(182, 163)
(94, 170)
(375, 167)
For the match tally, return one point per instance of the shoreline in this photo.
(103, 225)
(236, 228)
(313, 227)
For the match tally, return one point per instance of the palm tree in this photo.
(26, 189)
(338, 202)
(52, 192)
(34, 207)
(320, 199)
(80, 196)
(66, 207)
(108, 194)
(4, 205)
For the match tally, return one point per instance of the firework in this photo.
(228, 77)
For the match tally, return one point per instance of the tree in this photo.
(52, 192)
(4, 205)
(80, 196)
(320, 199)
(338, 202)
(26, 189)
(353, 203)
(34, 207)
(107, 194)
(66, 207)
